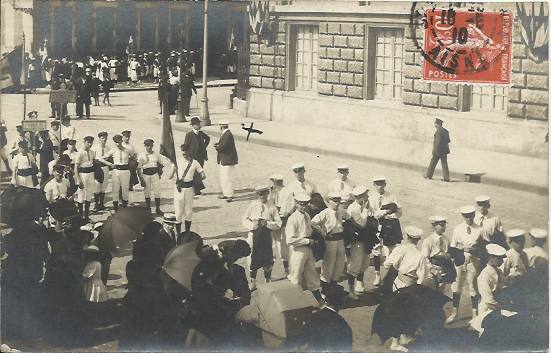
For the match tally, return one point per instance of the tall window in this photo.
(306, 59)
(388, 63)
(105, 27)
(491, 98)
(62, 28)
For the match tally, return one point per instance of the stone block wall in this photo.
(529, 91)
(341, 59)
(422, 93)
(267, 62)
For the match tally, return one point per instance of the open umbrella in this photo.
(63, 209)
(22, 204)
(180, 263)
(124, 226)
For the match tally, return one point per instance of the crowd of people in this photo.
(349, 226)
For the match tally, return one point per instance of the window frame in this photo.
(178, 6)
(290, 55)
(97, 5)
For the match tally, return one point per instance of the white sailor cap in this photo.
(261, 188)
(276, 177)
(342, 166)
(297, 165)
(538, 233)
(467, 209)
(495, 250)
(513, 233)
(302, 197)
(379, 178)
(359, 190)
(414, 232)
(345, 198)
(86, 228)
(91, 248)
(482, 199)
(223, 122)
(98, 225)
(333, 195)
(437, 219)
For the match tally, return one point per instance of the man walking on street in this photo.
(101, 150)
(84, 177)
(197, 142)
(84, 89)
(189, 86)
(227, 159)
(120, 177)
(148, 172)
(440, 151)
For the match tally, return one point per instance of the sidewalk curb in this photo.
(541, 190)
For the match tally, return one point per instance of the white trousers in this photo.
(183, 204)
(359, 259)
(87, 192)
(152, 185)
(279, 244)
(24, 181)
(226, 185)
(120, 179)
(332, 267)
(101, 187)
(302, 270)
(469, 271)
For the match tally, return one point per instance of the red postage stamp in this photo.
(466, 46)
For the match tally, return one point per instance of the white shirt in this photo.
(306, 188)
(489, 281)
(85, 158)
(298, 229)
(343, 187)
(258, 210)
(21, 162)
(465, 236)
(67, 132)
(282, 198)
(72, 154)
(120, 157)
(489, 223)
(359, 213)
(54, 190)
(408, 261)
(515, 263)
(100, 150)
(130, 148)
(434, 245)
(150, 160)
(329, 220)
(54, 136)
(195, 167)
(536, 253)
(376, 200)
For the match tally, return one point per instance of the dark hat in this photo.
(152, 229)
(438, 121)
(43, 132)
(103, 133)
(89, 139)
(54, 122)
(65, 118)
(23, 144)
(59, 168)
(64, 159)
(117, 138)
(19, 126)
(195, 120)
(148, 142)
(126, 133)
(72, 142)
(234, 249)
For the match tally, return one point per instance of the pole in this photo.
(23, 69)
(205, 117)
(180, 115)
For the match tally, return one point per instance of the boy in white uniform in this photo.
(298, 231)
(183, 191)
(23, 166)
(342, 184)
(120, 177)
(282, 199)
(491, 278)
(516, 262)
(101, 150)
(148, 173)
(301, 185)
(84, 177)
(538, 258)
(58, 186)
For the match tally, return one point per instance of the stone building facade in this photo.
(323, 54)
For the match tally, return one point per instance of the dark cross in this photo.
(250, 130)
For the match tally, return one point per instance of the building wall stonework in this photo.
(268, 60)
(341, 59)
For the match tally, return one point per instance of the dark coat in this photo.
(84, 89)
(197, 146)
(329, 332)
(441, 140)
(188, 85)
(227, 153)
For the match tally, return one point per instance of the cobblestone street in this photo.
(215, 219)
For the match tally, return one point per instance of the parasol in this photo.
(180, 263)
(63, 209)
(22, 204)
(124, 226)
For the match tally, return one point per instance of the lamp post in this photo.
(180, 115)
(205, 117)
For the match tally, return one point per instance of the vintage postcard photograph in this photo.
(274, 176)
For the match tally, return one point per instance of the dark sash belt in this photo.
(334, 237)
(25, 172)
(85, 169)
(185, 184)
(150, 171)
(122, 167)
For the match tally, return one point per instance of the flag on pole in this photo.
(231, 41)
(167, 138)
(11, 68)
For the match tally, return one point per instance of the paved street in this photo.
(214, 219)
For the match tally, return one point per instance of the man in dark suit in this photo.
(197, 141)
(440, 151)
(189, 86)
(227, 158)
(83, 86)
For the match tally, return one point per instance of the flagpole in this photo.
(23, 69)
(205, 116)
